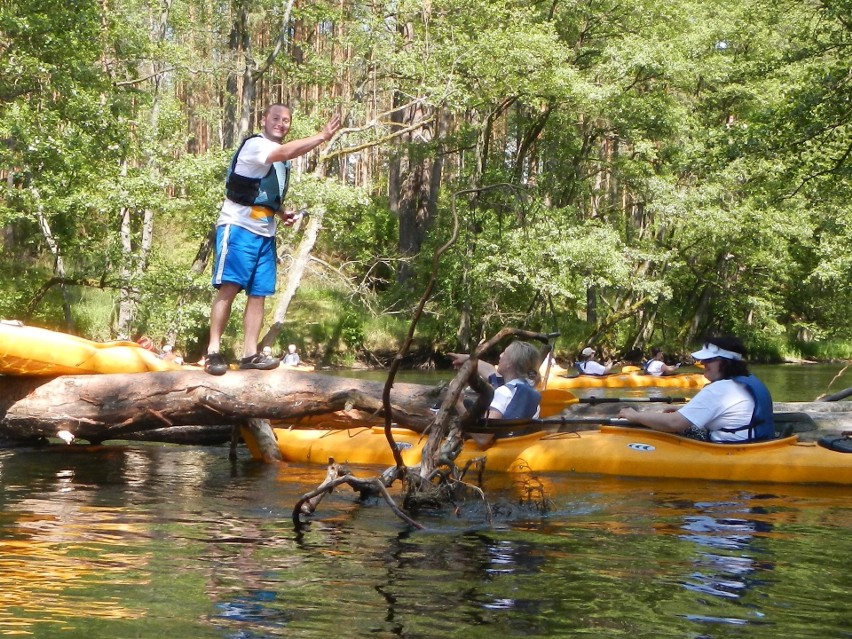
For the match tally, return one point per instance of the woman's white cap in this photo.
(709, 351)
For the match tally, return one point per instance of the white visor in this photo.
(709, 351)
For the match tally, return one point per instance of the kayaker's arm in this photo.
(484, 368)
(668, 422)
(297, 148)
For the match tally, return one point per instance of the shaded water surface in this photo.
(158, 541)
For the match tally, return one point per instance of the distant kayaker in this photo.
(657, 366)
(588, 366)
(292, 357)
(514, 380)
(734, 407)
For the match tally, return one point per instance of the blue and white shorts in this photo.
(246, 259)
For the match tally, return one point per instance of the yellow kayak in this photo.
(302, 368)
(634, 379)
(609, 450)
(31, 351)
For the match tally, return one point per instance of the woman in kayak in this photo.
(734, 407)
(588, 366)
(656, 366)
(514, 380)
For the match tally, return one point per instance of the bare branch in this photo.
(375, 142)
(280, 39)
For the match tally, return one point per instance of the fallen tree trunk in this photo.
(101, 407)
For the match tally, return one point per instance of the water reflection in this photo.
(148, 542)
(726, 561)
(60, 545)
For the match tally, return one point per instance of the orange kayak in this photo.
(31, 351)
(628, 380)
(609, 450)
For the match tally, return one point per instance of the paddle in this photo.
(552, 395)
(554, 400)
(785, 423)
(615, 400)
(548, 354)
(526, 425)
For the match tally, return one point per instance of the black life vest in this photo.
(268, 191)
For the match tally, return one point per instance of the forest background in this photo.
(629, 173)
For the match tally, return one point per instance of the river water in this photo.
(145, 540)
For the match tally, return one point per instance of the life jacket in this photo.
(762, 424)
(646, 365)
(268, 191)
(579, 367)
(525, 401)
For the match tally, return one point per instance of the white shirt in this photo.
(721, 404)
(251, 163)
(503, 395)
(592, 368)
(655, 368)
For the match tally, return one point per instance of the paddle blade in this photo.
(555, 400)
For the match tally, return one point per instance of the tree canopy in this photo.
(627, 172)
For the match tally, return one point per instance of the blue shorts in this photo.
(246, 259)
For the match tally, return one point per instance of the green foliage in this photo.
(199, 180)
(351, 330)
(359, 236)
(825, 350)
(684, 166)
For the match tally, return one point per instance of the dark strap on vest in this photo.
(244, 190)
(762, 424)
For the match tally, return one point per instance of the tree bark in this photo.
(58, 261)
(294, 275)
(239, 45)
(135, 253)
(100, 407)
(418, 196)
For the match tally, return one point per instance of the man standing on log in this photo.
(255, 188)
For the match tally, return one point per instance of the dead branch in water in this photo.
(437, 478)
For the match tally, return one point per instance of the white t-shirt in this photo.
(655, 367)
(721, 404)
(503, 395)
(251, 163)
(592, 368)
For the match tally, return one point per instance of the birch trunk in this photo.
(58, 262)
(294, 275)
